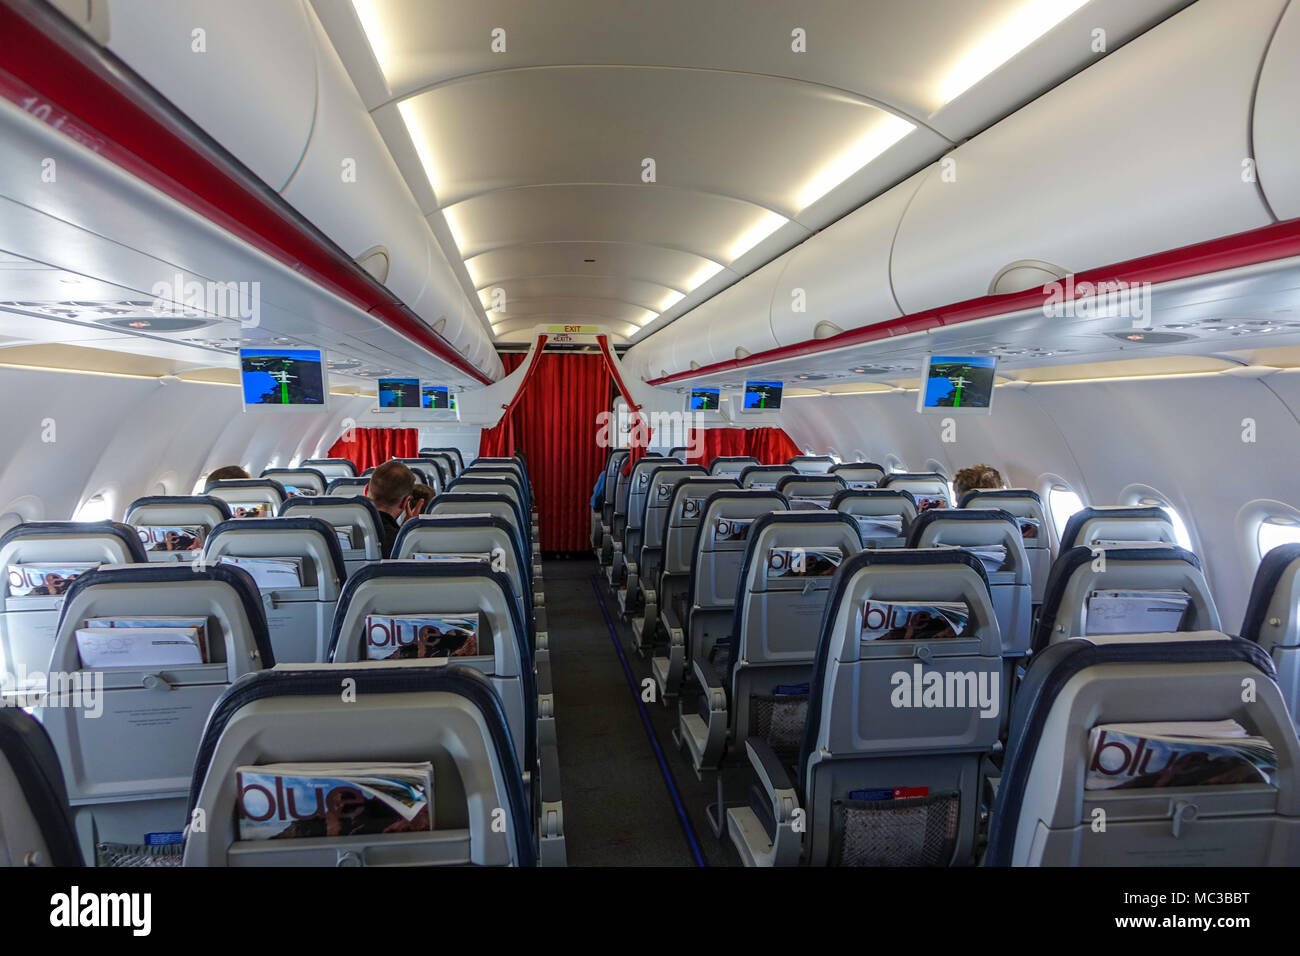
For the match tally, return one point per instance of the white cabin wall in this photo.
(127, 436)
(1179, 435)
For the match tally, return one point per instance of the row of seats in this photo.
(153, 751)
(755, 605)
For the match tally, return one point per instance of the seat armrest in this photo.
(772, 775)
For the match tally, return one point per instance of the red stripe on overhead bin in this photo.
(1278, 241)
(52, 71)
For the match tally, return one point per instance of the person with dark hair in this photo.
(421, 495)
(390, 487)
(976, 476)
(226, 473)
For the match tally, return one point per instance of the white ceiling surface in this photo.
(1229, 312)
(528, 162)
(92, 245)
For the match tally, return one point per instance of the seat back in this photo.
(658, 504)
(477, 597)
(883, 515)
(164, 524)
(297, 618)
(495, 485)
(407, 712)
(1046, 814)
(511, 475)
(764, 477)
(298, 481)
(725, 525)
(35, 825)
(612, 479)
(347, 487)
(29, 610)
(680, 530)
(638, 494)
(435, 470)
(1080, 572)
(859, 475)
(928, 488)
(452, 538)
(467, 503)
(785, 579)
(1273, 618)
(332, 467)
(888, 714)
(127, 757)
(818, 490)
(1009, 579)
(1027, 507)
(453, 455)
(355, 516)
(1116, 523)
(811, 464)
(248, 497)
(730, 466)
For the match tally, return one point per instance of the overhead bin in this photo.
(1276, 131)
(252, 90)
(1140, 153)
(738, 319)
(841, 275)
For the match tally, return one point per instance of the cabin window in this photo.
(98, 507)
(1182, 537)
(1062, 503)
(1276, 530)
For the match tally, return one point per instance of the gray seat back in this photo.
(659, 501)
(150, 515)
(1116, 523)
(817, 489)
(1046, 815)
(127, 756)
(681, 529)
(1272, 617)
(331, 467)
(308, 482)
(883, 515)
(298, 618)
(1027, 507)
(887, 714)
(357, 516)
(781, 600)
(929, 489)
(243, 494)
(637, 496)
(28, 621)
(859, 475)
(730, 466)
(407, 712)
(35, 826)
(764, 477)
(811, 464)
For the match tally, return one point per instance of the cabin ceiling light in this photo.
(884, 133)
(769, 223)
(670, 300)
(373, 27)
(703, 274)
(1003, 41)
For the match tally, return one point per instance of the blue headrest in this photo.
(851, 494)
(41, 529)
(26, 747)
(1074, 526)
(184, 573)
(207, 500)
(304, 523)
(927, 518)
(931, 557)
(1047, 675)
(999, 493)
(1267, 576)
(453, 679)
(1058, 578)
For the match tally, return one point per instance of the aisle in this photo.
(618, 809)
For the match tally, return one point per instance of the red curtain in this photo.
(554, 425)
(771, 446)
(374, 446)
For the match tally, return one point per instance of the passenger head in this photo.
(391, 486)
(227, 472)
(421, 495)
(976, 476)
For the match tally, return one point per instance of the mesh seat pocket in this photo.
(911, 831)
(779, 719)
(138, 854)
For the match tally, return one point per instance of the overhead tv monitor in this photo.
(957, 384)
(436, 396)
(283, 378)
(762, 396)
(705, 400)
(399, 393)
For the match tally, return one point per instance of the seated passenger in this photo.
(391, 486)
(421, 495)
(976, 476)
(227, 473)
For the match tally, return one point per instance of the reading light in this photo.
(1031, 21)
(884, 133)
